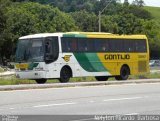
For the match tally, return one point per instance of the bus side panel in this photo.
(137, 62)
(89, 64)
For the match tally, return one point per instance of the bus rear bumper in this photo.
(31, 75)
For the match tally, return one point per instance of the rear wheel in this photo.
(101, 78)
(41, 81)
(124, 73)
(65, 75)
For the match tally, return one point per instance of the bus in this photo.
(62, 56)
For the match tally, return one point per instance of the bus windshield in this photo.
(30, 50)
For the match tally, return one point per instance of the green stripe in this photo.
(32, 65)
(95, 62)
(84, 62)
(90, 62)
(75, 35)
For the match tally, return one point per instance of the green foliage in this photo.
(154, 11)
(139, 3)
(126, 2)
(3, 6)
(71, 5)
(140, 12)
(21, 17)
(151, 29)
(86, 21)
(30, 18)
(154, 31)
(109, 25)
(127, 24)
(3, 18)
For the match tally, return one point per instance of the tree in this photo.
(139, 3)
(30, 18)
(73, 5)
(140, 12)
(22, 17)
(126, 3)
(151, 29)
(109, 25)
(86, 21)
(128, 24)
(3, 5)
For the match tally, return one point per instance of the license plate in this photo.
(21, 66)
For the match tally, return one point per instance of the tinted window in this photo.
(128, 46)
(69, 44)
(102, 45)
(82, 45)
(86, 45)
(77, 45)
(140, 46)
(30, 50)
(51, 48)
(116, 45)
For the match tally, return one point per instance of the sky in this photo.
(155, 3)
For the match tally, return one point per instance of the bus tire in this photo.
(41, 81)
(65, 74)
(101, 78)
(124, 73)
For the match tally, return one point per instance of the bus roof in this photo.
(41, 35)
(85, 35)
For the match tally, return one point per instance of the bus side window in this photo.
(103, 46)
(136, 46)
(48, 50)
(51, 49)
(74, 45)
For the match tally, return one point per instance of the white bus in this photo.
(64, 55)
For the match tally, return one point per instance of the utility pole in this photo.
(100, 13)
(99, 21)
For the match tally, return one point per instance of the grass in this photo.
(1, 69)
(13, 81)
(146, 76)
(154, 12)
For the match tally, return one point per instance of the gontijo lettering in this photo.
(117, 57)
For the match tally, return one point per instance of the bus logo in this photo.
(67, 58)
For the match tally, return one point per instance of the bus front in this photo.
(30, 59)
